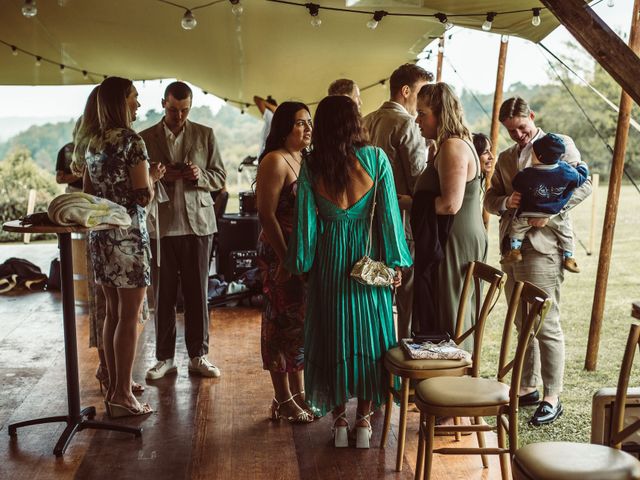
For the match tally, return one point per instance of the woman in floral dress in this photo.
(283, 315)
(118, 170)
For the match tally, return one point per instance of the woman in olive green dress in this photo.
(453, 175)
(348, 326)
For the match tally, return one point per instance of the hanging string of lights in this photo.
(189, 21)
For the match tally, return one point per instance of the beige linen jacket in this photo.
(396, 132)
(200, 149)
(542, 239)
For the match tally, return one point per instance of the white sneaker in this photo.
(160, 369)
(204, 367)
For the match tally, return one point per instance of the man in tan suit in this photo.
(187, 222)
(541, 257)
(393, 128)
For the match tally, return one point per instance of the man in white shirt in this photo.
(186, 223)
(267, 107)
(393, 128)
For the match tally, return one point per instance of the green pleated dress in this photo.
(348, 326)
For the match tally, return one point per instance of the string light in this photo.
(442, 17)
(188, 21)
(29, 9)
(488, 23)
(377, 16)
(85, 75)
(535, 20)
(38, 61)
(314, 9)
(236, 8)
(62, 69)
(14, 50)
(205, 92)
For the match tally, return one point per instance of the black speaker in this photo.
(236, 233)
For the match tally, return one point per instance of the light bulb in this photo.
(383, 85)
(611, 3)
(29, 9)
(38, 61)
(14, 50)
(486, 26)
(372, 24)
(188, 22)
(85, 74)
(61, 69)
(316, 21)
(535, 20)
(448, 25)
(237, 9)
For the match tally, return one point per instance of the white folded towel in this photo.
(87, 210)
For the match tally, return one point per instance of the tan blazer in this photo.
(542, 239)
(396, 132)
(200, 149)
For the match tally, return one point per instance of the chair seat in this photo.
(462, 392)
(575, 461)
(397, 358)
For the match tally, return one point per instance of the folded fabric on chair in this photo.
(87, 210)
(447, 350)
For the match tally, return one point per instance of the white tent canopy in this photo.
(272, 47)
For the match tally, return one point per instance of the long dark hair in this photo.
(337, 133)
(480, 143)
(281, 125)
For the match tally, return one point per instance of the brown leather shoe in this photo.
(513, 256)
(570, 264)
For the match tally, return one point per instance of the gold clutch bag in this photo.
(366, 270)
(372, 272)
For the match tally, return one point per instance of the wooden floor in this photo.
(202, 428)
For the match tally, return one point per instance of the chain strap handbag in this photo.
(366, 270)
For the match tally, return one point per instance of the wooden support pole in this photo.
(495, 122)
(611, 209)
(595, 184)
(618, 59)
(440, 58)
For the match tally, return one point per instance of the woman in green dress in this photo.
(348, 326)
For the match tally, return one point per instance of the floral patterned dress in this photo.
(121, 257)
(283, 314)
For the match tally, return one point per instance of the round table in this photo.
(76, 418)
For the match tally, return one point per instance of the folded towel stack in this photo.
(83, 209)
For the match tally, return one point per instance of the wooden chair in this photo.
(397, 365)
(477, 397)
(584, 461)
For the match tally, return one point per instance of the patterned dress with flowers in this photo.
(122, 256)
(283, 314)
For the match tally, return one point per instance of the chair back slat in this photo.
(477, 273)
(534, 305)
(618, 432)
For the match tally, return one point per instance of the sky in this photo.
(468, 51)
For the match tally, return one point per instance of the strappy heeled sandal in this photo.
(340, 432)
(301, 417)
(102, 375)
(117, 411)
(363, 433)
(304, 405)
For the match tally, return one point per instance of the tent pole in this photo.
(611, 209)
(600, 41)
(440, 58)
(495, 122)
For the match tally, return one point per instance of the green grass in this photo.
(576, 302)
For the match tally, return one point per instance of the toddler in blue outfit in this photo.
(546, 187)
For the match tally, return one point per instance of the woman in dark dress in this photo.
(283, 315)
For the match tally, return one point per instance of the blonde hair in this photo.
(439, 97)
(113, 111)
(514, 107)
